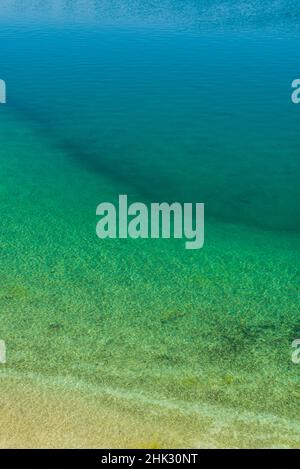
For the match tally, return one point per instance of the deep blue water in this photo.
(183, 100)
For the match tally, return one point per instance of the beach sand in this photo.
(66, 414)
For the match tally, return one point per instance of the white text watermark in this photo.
(296, 93)
(296, 352)
(2, 92)
(2, 352)
(160, 220)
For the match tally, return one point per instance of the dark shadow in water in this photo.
(146, 186)
(87, 157)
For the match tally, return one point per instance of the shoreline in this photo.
(44, 413)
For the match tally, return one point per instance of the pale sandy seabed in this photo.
(35, 413)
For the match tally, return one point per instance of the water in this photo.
(172, 101)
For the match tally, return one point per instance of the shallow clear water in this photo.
(164, 102)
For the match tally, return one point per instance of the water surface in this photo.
(163, 101)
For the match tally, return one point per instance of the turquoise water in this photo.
(168, 101)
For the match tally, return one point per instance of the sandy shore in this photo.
(37, 414)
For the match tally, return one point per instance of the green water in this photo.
(160, 112)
